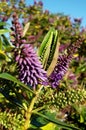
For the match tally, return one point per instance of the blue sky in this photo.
(73, 8)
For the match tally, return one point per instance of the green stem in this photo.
(29, 110)
(39, 109)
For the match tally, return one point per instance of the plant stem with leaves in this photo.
(29, 110)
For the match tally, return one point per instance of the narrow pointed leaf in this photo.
(53, 47)
(26, 29)
(11, 98)
(47, 52)
(12, 78)
(59, 123)
(2, 31)
(0, 44)
(5, 40)
(54, 60)
(43, 44)
(55, 36)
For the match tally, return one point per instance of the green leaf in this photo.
(54, 59)
(81, 119)
(12, 78)
(3, 23)
(52, 49)
(49, 126)
(2, 55)
(38, 121)
(43, 44)
(11, 98)
(0, 44)
(83, 112)
(57, 122)
(9, 48)
(2, 31)
(26, 28)
(33, 127)
(5, 40)
(47, 51)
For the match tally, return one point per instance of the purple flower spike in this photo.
(30, 68)
(59, 71)
(63, 64)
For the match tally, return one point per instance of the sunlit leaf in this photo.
(43, 44)
(2, 55)
(81, 119)
(2, 31)
(2, 23)
(49, 126)
(26, 29)
(47, 51)
(54, 59)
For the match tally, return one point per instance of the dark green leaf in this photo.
(12, 78)
(5, 40)
(59, 123)
(11, 98)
